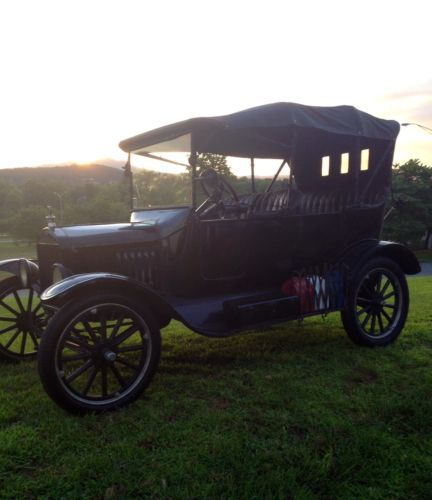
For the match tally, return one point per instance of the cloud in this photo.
(422, 114)
(423, 90)
(410, 103)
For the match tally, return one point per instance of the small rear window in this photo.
(325, 166)
(364, 163)
(344, 163)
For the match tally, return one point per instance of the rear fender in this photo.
(401, 255)
(65, 290)
(356, 256)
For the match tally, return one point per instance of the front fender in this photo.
(67, 289)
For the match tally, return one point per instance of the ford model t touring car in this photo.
(232, 262)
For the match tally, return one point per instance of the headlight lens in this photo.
(28, 272)
(24, 272)
(56, 275)
(60, 272)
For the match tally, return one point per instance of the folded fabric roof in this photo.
(265, 131)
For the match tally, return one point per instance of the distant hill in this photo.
(72, 174)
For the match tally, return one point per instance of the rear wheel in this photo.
(377, 304)
(22, 320)
(98, 354)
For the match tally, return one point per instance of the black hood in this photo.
(149, 225)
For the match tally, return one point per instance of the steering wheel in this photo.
(215, 186)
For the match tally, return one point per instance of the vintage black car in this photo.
(234, 262)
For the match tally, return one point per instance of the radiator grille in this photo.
(139, 264)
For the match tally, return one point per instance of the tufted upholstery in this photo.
(293, 201)
(336, 201)
(271, 202)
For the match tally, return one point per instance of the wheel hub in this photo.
(376, 305)
(103, 353)
(110, 356)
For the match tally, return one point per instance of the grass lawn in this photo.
(10, 249)
(297, 411)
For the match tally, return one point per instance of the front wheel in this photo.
(99, 353)
(377, 303)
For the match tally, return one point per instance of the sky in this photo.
(76, 77)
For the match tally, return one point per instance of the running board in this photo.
(256, 309)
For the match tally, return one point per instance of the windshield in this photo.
(157, 183)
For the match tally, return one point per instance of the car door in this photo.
(224, 247)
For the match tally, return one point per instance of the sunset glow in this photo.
(78, 77)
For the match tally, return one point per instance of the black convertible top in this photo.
(266, 131)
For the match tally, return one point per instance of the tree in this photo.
(412, 193)
(217, 162)
(157, 188)
(10, 199)
(27, 223)
(100, 203)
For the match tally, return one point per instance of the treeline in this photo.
(78, 194)
(101, 195)
(410, 219)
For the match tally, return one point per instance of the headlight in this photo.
(24, 272)
(60, 272)
(28, 272)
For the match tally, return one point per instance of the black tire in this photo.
(377, 303)
(22, 320)
(99, 353)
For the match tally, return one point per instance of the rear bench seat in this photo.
(295, 202)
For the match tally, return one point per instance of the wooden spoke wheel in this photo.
(377, 304)
(99, 353)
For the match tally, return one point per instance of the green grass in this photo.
(297, 411)
(10, 249)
